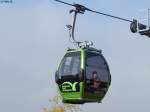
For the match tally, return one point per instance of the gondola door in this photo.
(69, 77)
(97, 76)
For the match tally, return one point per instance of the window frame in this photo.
(78, 53)
(105, 62)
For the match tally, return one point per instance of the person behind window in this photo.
(95, 82)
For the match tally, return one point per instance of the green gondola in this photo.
(83, 76)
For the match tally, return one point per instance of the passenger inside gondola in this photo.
(95, 82)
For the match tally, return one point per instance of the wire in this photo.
(81, 7)
(64, 2)
(109, 15)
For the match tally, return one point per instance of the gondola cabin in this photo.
(83, 76)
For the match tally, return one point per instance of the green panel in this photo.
(72, 94)
(82, 59)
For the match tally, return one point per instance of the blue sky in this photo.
(34, 38)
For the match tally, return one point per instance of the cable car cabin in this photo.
(83, 76)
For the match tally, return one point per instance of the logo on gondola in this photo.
(70, 87)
